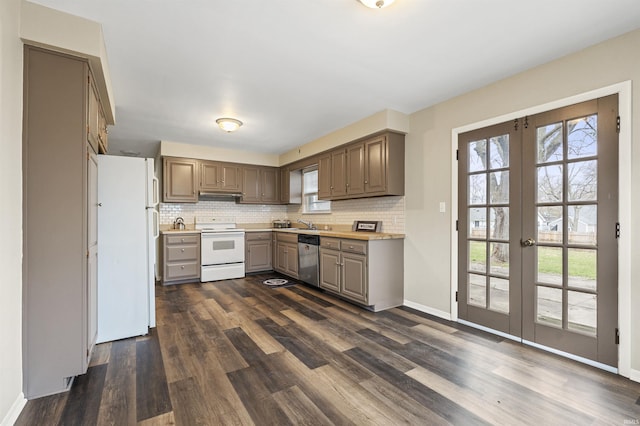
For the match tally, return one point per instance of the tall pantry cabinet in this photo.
(60, 221)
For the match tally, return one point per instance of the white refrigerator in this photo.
(127, 233)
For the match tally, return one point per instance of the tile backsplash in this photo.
(390, 210)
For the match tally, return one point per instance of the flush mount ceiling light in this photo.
(229, 124)
(376, 4)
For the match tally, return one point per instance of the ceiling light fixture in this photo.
(376, 4)
(229, 124)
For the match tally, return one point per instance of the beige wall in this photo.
(10, 210)
(175, 149)
(429, 162)
(382, 120)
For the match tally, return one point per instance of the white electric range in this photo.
(221, 248)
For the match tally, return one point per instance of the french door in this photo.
(538, 209)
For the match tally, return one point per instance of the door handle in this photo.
(529, 242)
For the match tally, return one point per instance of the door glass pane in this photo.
(478, 189)
(499, 223)
(549, 187)
(499, 187)
(499, 294)
(582, 137)
(549, 306)
(477, 290)
(549, 143)
(582, 312)
(550, 224)
(477, 217)
(477, 256)
(583, 224)
(499, 154)
(549, 265)
(499, 259)
(582, 268)
(477, 155)
(583, 180)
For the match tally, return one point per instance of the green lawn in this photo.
(582, 263)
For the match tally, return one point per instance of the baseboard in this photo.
(14, 411)
(427, 310)
(634, 375)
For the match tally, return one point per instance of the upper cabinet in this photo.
(220, 177)
(96, 120)
(260, 185)
(180, 181)
(332, 182)
(368, 168)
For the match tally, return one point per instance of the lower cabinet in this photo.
(367, 272)
(286, 260)
(180, 258)
(258, 252)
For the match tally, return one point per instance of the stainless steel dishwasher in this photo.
(308, 259)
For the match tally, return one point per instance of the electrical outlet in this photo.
(443, 207)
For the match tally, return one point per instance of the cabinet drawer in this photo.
(183, 239)
(288, 238)
(258, 236)
(354, 246)
(330, 243)
(182, 270)
(177, 253)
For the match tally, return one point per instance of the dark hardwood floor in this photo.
(239, 352)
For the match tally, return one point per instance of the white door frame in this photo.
(623, 90)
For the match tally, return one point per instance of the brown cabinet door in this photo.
(258, 256)
(324, 177)
(375, 174)
(292, 260)
(354, 276)
(281, 258)
(330, 270)
(285, 188)
(209, 176)
(251, 185)
(180, 180)
(355, 169)
(269, 185)
(339, 173)
(230, 178)
(103, 143)
(93, 116)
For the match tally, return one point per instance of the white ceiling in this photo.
(295, 70)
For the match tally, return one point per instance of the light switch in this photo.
(443, 207)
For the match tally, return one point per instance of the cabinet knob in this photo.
(182, 267)
(182, 240)
(182, 250)
(351, 247)
(366, 181)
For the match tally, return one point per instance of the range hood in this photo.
(219, 196)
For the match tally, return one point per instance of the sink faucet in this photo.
(308, 224)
